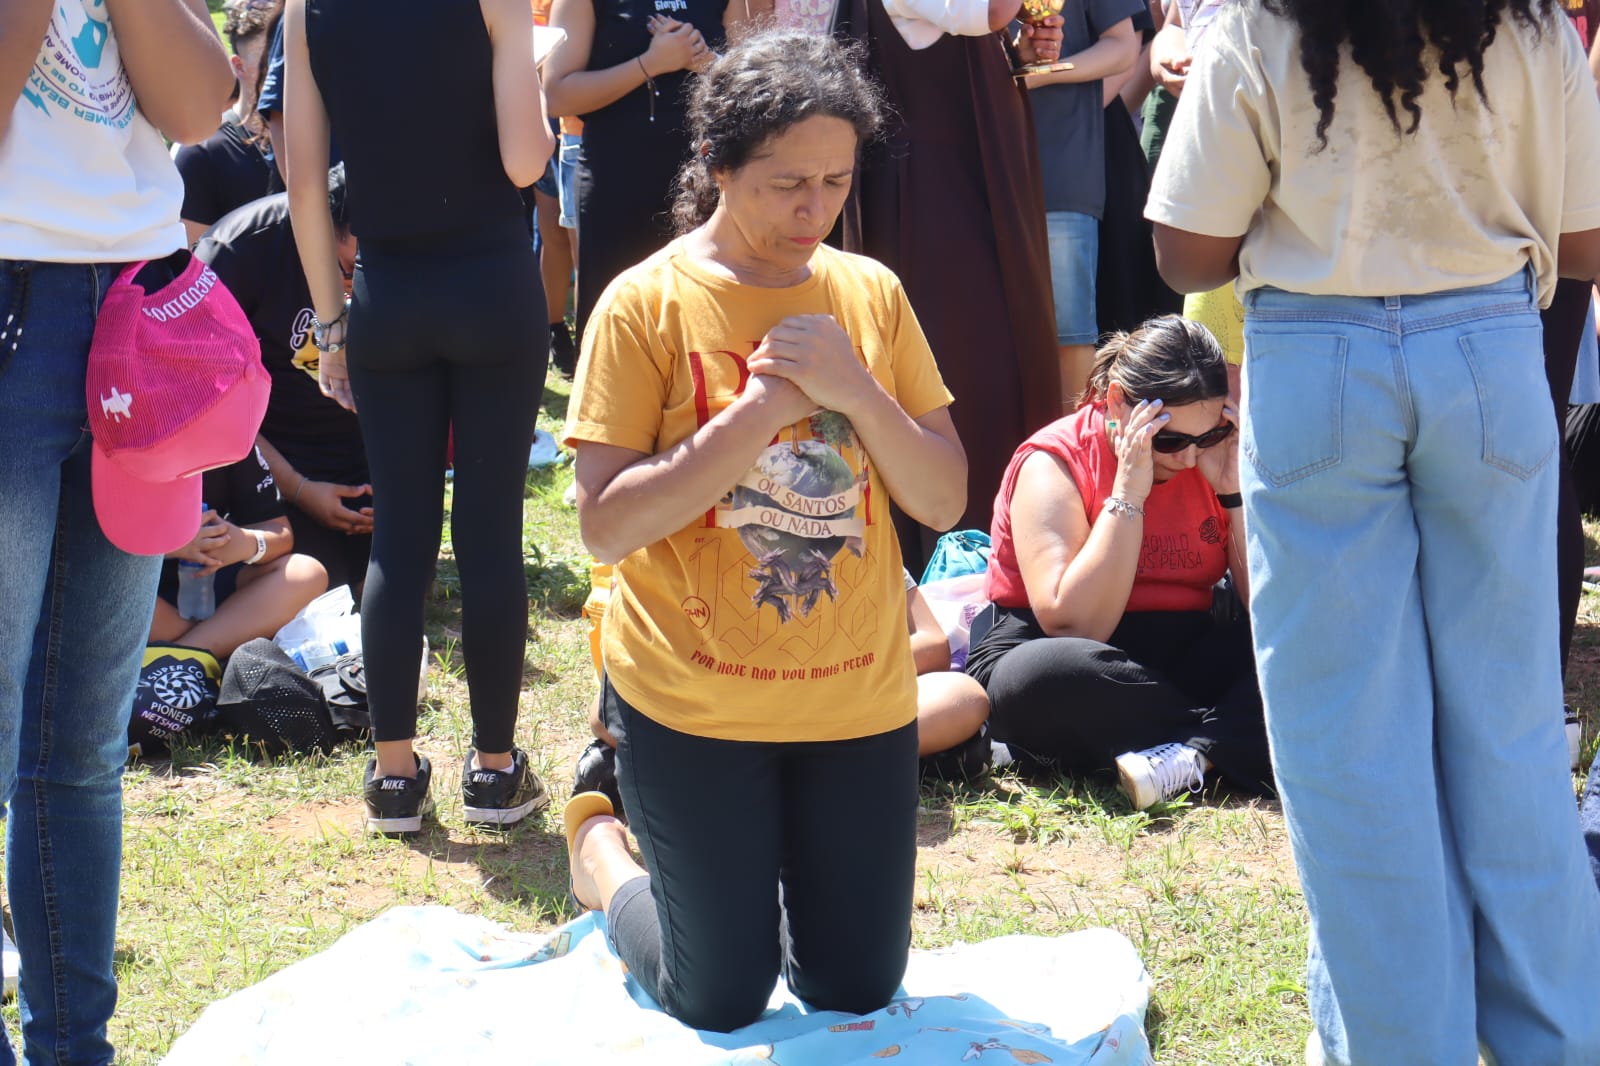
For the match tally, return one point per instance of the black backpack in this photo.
(269, 704)
(344, 691)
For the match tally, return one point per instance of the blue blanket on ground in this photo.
(429, 986)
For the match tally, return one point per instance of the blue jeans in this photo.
(1074, 263)
(568, 156)
(73, 619)
(1400, 501)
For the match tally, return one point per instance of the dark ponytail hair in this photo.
(763, 85)
(1170, 359)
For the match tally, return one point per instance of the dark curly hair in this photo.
(1171, 359)
(765, 84)
(1393, 42)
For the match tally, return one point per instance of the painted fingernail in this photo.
(1155, 403)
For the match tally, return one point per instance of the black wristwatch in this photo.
(1232, 501)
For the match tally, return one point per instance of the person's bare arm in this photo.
(571, 90)
(1195, 262)
(22, 26)
(1169, 53)
(1133, 84)
(525, 138)
(308, 128)
(1594, 62)
(1115, 51)
(628, 500)
(1578, 255)
(1001, 12)
(930, 648)
(176, 64)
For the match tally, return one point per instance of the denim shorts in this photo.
(1074, 257)
(568, 156)
(547, 181)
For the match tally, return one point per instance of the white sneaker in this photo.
(10, 962)
(1574, 738)
(1156, 775)
(1314, 1056)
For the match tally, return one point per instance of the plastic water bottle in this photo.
(310, 654)
(197, 595)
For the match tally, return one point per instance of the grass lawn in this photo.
(234, 870)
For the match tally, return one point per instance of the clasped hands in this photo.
(807, 362)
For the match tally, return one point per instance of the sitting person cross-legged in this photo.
(245, 546)
(1112, 527)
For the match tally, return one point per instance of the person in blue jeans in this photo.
(86, 185)
(1395, 223)
(1099, 41)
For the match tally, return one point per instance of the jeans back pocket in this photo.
(1507, 367)
(1294, 403)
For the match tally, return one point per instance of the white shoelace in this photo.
(1175, 768)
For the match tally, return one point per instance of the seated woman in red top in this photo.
(1115, 641)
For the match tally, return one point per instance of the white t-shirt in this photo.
(922, 22)
(84, 177)
(1470, 198)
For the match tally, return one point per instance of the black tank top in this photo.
(408, 85)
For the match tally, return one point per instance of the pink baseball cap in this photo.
(175, 388)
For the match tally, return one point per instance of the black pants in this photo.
(1164, 677)
(764, 858)
(1583, 445)
(1564, 322)
(441, 337)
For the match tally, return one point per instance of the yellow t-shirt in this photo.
(781, 614)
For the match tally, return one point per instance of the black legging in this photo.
(1564, 322)
(797, 858)
(1163, 677)
(442, 337)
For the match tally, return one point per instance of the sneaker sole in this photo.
(1130, 788)
(505, 815)
(399, 826)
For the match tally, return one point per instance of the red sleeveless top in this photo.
(1185, 529)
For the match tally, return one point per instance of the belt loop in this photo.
(1391, 303)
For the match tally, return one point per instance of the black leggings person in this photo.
(444, 338)
(1564, 322)
(787, 814)
(1162, 677)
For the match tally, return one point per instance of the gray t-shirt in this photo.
(1070, 121)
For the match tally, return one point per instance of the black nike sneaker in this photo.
(501, 797)
(397, 805)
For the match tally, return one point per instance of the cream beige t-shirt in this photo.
(1475, 194)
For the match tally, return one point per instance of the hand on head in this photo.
(1130, 438)
(1220, 463)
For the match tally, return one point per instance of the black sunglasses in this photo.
(1169, 441)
